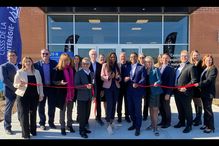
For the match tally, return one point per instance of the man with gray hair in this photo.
(96, 67)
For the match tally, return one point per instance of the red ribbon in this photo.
(163, 86)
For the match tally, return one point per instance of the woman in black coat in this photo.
(208, 92)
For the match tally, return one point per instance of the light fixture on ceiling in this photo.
(141, 21)
(56, 28)
(96, 28)
(94, 20)
(136, 28)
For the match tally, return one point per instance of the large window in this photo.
(97, 29)
(140, 29)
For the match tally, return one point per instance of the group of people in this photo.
(108, 80)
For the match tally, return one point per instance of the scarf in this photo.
(68, 73)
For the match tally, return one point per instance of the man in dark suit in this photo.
(84, 96)
(96, 67)
(135, 74)
(167, 79)
(185, 74)
(46, 67)
(122, 91)
(9, 70)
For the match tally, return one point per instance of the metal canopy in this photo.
(121, 10)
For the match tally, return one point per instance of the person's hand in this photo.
(22, 84)
(101, 93)
(167, 97)
(155, 84)
(63, 83)
(41, 98)
(127, 79)
(182, 89)
(112, 75)
(196, 84)
(89, 86)
(135, 85)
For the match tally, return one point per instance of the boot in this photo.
(197, 121)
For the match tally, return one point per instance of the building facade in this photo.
(151, 31)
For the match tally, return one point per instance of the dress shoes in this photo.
(131, 128)
(87, 131)
(100, 122)
(42, 127)
(63, 131)
(83, 135)
(70, 128)
(144, 118)
(137, 132)
(160, 124)
(203, 127)
(9, 132)
(165, 126)
(52, 126)
(208, 130)
(187, 129)
(197, 123)
(33, 133)
(119, 119)
(179, 125)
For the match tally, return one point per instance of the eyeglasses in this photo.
(45, 54)
(85, 63)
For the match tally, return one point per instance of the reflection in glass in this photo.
(83, 52)
(97, 29)
(178, 24)
(154, 52)
(128, 51)
(141, 29)
(105, 51)
(60, 27)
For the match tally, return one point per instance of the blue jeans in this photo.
(9, 103)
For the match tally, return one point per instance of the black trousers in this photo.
(27, 107)
(145, 106)
(122, 94)
(98, 102)
(84, 108)
(208, 113)
(165, 110)
(51, 107)
(184, 107)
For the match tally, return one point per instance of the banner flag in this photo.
(10, 38)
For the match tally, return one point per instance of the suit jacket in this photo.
(188, 75)
(167, 79)
(154, 77)
(98, 82)
(81, 79)
(138, 77)
(105, 77)
(207, 83)
(8, 73)
(21, 75)
(39, 65)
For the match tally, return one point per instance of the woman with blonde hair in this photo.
(153, 78)
(64, 77)
(208, 91)
(159, 61)
(195, 59)
(28, 96)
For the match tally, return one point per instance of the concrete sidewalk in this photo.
(120, 132)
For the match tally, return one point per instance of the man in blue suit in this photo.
(135, 74)
(167, 79)
(46, 68)
(9, 70)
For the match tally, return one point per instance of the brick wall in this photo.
(33, 31)
(204, 33)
